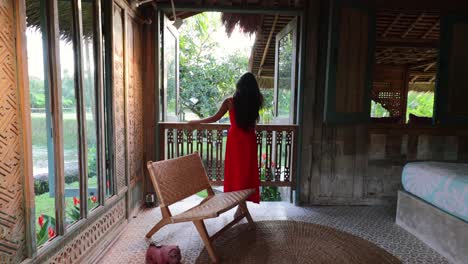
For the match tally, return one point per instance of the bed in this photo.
(434, 206)
(442, 184)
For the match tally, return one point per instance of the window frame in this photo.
(53, 87)
(290, 28)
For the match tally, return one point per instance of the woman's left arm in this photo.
(221, 111)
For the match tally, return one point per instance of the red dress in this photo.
(241, 161)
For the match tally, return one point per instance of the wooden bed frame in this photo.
(443, 232)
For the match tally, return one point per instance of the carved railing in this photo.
(275, 144)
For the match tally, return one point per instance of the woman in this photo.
(241, 163)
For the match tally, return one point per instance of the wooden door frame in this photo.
(300, 13)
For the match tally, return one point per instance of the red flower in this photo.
(51, 232)
(107, 184)
(76, 201)
(41, 220)
(94, 199)
(264, 156)
(273, 164)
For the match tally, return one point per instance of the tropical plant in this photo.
(47, 229)
(268, 193)
(420, 103)
(377, 110)
(74, 211)
(206, 78)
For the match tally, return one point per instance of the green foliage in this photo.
(92, 165)
(420, 104)
(285, 71)
(73, 213)
(270, 193)
(44, 234)
(41, 186)
(68, 90)
(377, 110)
(206, 79)
(37, 93)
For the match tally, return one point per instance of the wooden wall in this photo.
(89, 237)
(12, 199)
(357, 163)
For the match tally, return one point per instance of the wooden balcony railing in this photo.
(276, 146)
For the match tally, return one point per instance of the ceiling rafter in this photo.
(418, 19)
(429, 31)
(267, 46)
(387, 30)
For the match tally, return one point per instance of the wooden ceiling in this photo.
(403, 37)
(262, 58)
(409, 38)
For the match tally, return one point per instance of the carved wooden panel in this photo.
(135, 99)
(12, 225)
(119, 99)
(90, 236)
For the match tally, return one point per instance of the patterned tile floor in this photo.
(376, 224)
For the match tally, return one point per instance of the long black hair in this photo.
(247, 101)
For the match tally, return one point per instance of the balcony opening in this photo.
(203, 55)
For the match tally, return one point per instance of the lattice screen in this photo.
(390, 89)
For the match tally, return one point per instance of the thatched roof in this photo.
(248, 23)
(33, 17)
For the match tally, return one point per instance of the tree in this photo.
(205, 78)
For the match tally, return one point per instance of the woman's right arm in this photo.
(221, 111)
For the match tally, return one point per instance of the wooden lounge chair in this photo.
(177, 179)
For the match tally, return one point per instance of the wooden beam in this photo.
(428, 67)
(387, 30)
(429, 31)
(422, 74)
(407, 43)
(421, 16)
(423, 65)
(267, 46)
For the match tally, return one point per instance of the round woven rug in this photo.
(294, 242)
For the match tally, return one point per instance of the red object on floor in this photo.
(163, 255)
(241, 161)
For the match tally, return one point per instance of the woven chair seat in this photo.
(180, 178)
(213, 206)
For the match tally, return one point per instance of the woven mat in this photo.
(294, 242)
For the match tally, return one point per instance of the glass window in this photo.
(70, 114)
(90, 102)
(285, 63)
(42, 145)
(170, 60)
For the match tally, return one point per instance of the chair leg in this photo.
(156, 227)
(206, 239)
(245, 210)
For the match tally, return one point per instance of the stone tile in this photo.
(375, 224)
